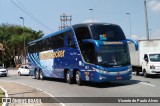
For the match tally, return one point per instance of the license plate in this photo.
(118, 78)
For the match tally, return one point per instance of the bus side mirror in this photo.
(134, 42)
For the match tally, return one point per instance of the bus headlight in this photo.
(101, 71)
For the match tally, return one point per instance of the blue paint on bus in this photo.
(80, 48)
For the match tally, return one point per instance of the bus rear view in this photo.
(94, 52)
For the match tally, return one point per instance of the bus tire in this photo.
(68, 78)
(78, 78)
(41, 76)
(37, 74)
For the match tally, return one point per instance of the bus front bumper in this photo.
(110, 76)
(115, 76)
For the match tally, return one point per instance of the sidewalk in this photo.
(18, 90)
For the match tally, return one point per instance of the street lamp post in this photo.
(24, 41)
(149, 33)
(129, 23)
(146, 18)
(92, 15)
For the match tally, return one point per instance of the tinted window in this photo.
(88, 53)
(82, 33)
(107, 32)
(33, 48)
(68, 39)
(57, 41)
(115, 55)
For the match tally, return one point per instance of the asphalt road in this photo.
(138, 86)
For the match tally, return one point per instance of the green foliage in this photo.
(12, 37)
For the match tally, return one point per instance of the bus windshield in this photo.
(113, 56)
(107, 32)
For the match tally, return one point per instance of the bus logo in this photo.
(51, 55)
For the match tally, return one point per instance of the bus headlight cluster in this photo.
(127, 71)
(101, 71)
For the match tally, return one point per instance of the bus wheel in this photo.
(78, 78)
(68, 78)
(37, 74)
(41, 75)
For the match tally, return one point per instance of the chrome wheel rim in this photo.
(41, 75)
(77, 77)
(36, 74)
(67, 76)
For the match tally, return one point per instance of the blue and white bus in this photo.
(96, 52)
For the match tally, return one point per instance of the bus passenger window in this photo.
(69, 42)
(82, 33)
(49, 43)
(68, 39)
(57, 41)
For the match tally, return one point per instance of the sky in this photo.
(45, 14)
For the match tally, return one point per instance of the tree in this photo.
(12, 37)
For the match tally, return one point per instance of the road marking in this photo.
(147, 84)
(6, 95)
(62, 104)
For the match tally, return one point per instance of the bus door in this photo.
(88, 52)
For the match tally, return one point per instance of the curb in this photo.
(6, 95)
(62, 104)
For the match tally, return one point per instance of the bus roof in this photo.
(67, 29)
(88, 24)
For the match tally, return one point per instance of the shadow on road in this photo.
(112, 84)
(100, 85)
(155, 77)
(149, 76)
(54, 79)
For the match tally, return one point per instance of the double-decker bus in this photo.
(96, 52)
